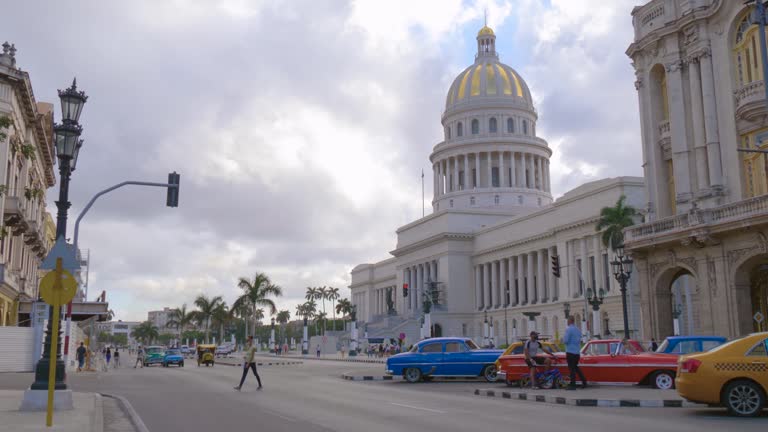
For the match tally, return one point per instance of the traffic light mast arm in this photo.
(108, 190)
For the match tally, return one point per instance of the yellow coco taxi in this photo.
(733, 375)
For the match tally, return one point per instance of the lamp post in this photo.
(622, 270)
(677, 310)
(595, 300)
(68, 143)
(272, 337)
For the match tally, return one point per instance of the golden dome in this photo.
(485, 31)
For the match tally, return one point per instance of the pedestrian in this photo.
(139, 357)
(532, 359)
(249, 363)
(117, 358)
(285, 348)
(108, 356)
(572, 341)
(318, 350)
(654, 345)
(80, 357)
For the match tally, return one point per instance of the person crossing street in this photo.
(249, 363)
(572, 341)
(139, 357)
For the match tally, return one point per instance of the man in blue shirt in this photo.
(572, 341)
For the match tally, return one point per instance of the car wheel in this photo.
(663, 380)
(489, 373)
(743, 398)
(412, 375)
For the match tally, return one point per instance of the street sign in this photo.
(58, 296)
(758, 317)
(64, 251)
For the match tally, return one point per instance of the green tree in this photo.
(344, 307)
(256, 292)
(180, 318)
(333, 295)
(282, 318)
(145, 332)
(206, 308)
(613, 220)
(320, 318)
(221, 317)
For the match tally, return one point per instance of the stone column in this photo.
(455, 173)
(467, 179)
(584, 264)
(677, 124)
(490, 170)
(477, 170)
(414, 291)
(530, 289)
(541, 278)
(478, 287)
(531, 172)
(486, 283)
(541, 173)
(512, 178)
(711, 129)
(599, 272)
(573, 287)
(697, 123)
(434, 181)
(494, 283)
(546, 175)
(501, 169)
(503, 282)
(552, 280)
(520, 297)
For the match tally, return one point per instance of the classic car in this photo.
(518, 347)
(173, 356)
(153, 355)
(689, 344)
(606, 361)
(445, 356)
(733, 375)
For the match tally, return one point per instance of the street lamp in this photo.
(485, 328)
(595, 299)
(68, 143)
(622, 270)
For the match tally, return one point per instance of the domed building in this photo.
(479, 265)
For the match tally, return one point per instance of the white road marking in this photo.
(418, 408)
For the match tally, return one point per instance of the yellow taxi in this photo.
(733, 375)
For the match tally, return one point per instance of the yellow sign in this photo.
(62, 296)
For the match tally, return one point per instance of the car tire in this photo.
(489, 373)
(663, 380)
(743, 398)
(412, 375)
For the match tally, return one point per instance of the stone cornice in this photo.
(429, 241)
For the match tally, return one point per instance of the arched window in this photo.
(460, 129)
(496, 199)
(510, 125)
(492, 125)
(475, 126)
(448, 132)
(525, 127)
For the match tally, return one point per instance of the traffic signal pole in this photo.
(172, 201)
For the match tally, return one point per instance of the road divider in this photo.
(602, 402)
(263, 363)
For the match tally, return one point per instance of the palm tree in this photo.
(344, 307)
(221, 317)
(322, 294)
(243, 311)
(207, 307)
(333, 295)
(179, 319)
(283, 317)
(320, 318)
(613, 220)
(145, 332)
(256, 292)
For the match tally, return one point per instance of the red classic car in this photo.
(606, 361)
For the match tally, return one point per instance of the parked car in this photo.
(441, 357)
(223, 350)
(733, 375)
(518, 348)
(689, 344)
(606, 361)
(153, 355)
(185, 351)
(173, 356)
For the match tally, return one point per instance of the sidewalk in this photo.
(605, 396)
(330, 357)
(86, 417)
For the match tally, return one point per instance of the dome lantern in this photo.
(486, 43)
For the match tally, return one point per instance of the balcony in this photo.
(697, 225)
(14, 211)
(750, 100)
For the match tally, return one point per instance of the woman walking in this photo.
(249, 363)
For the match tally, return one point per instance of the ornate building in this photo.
(26, 172)
(484, 253)
(702, 256)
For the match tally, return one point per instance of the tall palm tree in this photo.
(179, 319)
(145, 332)
(344, 307)
(613, 220)
(320, 318)
(256, 292)
(322, 294)
(283, 317)
(243, 311)
(221, 317)
(333, 295)
(206, 308)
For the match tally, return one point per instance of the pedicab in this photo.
(205, 354)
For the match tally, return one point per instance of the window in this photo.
(581, 272)
(510, 125)
(448, 132)
(496, 199)
(471, 200)
(685, 347)
(606, 273)
(492, 125)
(455, 347)
(709, 344)
(432, 348)
(592, 272)
(495, 176)
(475, 126)
(525, 127)
(460, 129)
(759, 350)
(462, 186)
(474, 177)
(599, 349)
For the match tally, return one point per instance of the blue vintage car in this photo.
(173, 356)
(442, 357)
(689, 344)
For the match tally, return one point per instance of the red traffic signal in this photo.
(556, 266)
(405, 290)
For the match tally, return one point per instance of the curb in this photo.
(587, 402)
(264, 363)
(371, 377)
(97, 419)
(128, 409)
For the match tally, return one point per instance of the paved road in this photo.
(311, 397)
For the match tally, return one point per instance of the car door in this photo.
(596, 361)
(431, 357)
(757, 363)
(457, 360)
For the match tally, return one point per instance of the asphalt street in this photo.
(312, 397)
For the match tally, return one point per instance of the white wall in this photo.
(16, 349)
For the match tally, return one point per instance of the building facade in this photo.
(26, 172)
(119, 328)
(484, 253)
(159, 319)
(702, 255)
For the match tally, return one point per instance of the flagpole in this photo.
(422, 193)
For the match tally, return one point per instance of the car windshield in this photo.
(471, 344)
(663, 347)
(173, 352)
(154, 350)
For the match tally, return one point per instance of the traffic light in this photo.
(556, 266)
(405, 290)
(172, 199)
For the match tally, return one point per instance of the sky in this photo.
(300, 128)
